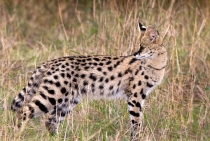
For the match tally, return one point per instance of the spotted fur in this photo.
(57, 86)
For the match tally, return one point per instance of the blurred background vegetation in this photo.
(32, 32)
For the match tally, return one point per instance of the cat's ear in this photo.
(142, 28)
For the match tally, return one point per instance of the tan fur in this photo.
(58, 85)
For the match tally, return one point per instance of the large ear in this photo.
(142, 28)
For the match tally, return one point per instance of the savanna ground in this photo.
(32, 32)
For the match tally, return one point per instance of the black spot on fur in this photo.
(83, 64)
(51, 92)
(134, 101)
(41, 106)
(149, 85)
(132, 60)
(137, 71)
(78, 69)
(95, 64)
(24, 89)
(75, 102)
(63, 90)
(92, 85)
(43, 96)
(21, 97)
(115, 65)
(109, 62)
(130, 104)
(108, 57)
(67, 93)
(50, 81)
(143, 96)
(106, 80)
(134, 114)
(60, 100)
(134, 122)
(74, 80)
(104, 73)
(128, 70)
(111, 87)
(119, 83)
(58, 84)
(45, 81)
(110, 68)
(29, 84)
(142, 91)
(93, 77)
(101, 79)
(85, 83)
(89, 59)
(17, 104)
(86, 68)
(96, 59)
(101, 64)
(101, 87)
(63, 75)
(63, 113)
(55, 77)
(99, 69)
(135, 94)
(139, 83)
(134, 86)
(131, 78)
(112, 77)
(71, 58)
(119, 74)
(82, 75)
(52, 101)
(138, 105)
(146, 77)
(76, 86)
(66, 82)
(83, 90)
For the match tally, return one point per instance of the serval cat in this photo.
(57, 86)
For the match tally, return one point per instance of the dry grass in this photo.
(32, 32)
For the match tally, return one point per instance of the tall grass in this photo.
(32, 32)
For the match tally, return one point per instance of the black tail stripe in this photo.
(134, 113)
(41, 106)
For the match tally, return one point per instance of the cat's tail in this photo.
(30, 89)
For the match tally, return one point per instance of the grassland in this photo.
(32, 32)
